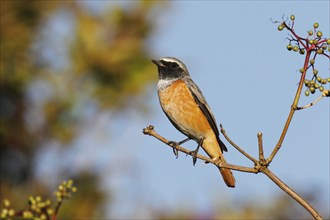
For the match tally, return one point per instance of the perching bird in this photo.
(187, 109)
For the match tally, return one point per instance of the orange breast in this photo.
(178, 103)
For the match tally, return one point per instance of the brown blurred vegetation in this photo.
(105, 63)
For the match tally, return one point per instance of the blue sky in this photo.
(239, 60)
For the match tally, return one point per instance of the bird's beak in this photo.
(158, 63)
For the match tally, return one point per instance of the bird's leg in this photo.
(195, 152)
(175, 144)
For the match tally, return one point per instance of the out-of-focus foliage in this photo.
(38, 207)
(59, 58)
(277, 207)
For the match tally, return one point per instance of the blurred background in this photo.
(77, 88)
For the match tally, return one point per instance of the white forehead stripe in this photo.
(174, 60)
(170, 59)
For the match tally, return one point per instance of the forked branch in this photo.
(259, 165)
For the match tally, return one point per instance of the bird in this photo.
(185, 106)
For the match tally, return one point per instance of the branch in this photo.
(325, 93)
(261, 149)
(149, 130)
(259, 166)
(292, 193)
(292, 111)
(236, 146)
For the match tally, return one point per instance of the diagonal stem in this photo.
(292, 111)
(292, 193)
(236, 146)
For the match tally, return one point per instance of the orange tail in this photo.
(228, 177)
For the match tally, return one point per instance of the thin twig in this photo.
(324, 94)
(236, 146)
(292, 110)
(261, 149)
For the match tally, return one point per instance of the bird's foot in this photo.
(195, 152)
(174, 145)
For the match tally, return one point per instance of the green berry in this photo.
(328, 79)
(310, 32)
(324, 46)
(310, 41)
(324, 81)
(289, 47)
(316, 25)
(280, 27)
(302, 51)
(316, 86)
(307, 93)
(319, 79)
(306, 82)
(295, 48)
(320, 51)
(315, 41)
(312, 89)
(328, 41)
(315, 71)
(321, 88)
(312, 61)
(301, 70)
(292, 17)
(319, 34)
(312, 82)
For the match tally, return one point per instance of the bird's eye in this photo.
(174, 65)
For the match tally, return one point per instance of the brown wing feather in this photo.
(201, 102)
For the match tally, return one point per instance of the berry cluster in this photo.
(313, 45)
(39, 209)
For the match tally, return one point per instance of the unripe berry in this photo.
(315, 71)
(292, 17)
(306, 82)
(319, 34)
(280, 27)
(321, 88)
(316, 86)
(310, 41)
(320, 51)
(301, 70)
(319, 79)
(324, 81)
(316, 25)
(289, 47)
(324, 46)
(312, 61)
(295, 48)
(302, 51)
(328, 79)
(310, 32)
(312, 89)
(328, 41)
(315, 41)
(307, 93)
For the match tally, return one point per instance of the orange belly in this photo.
(179, 104)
